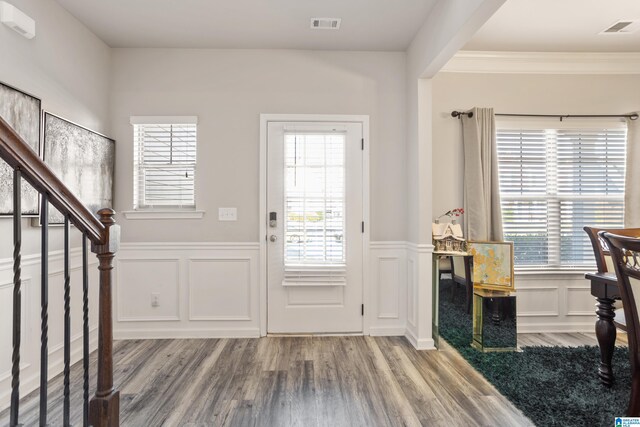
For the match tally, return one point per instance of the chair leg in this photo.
(634, 402)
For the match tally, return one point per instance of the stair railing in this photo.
(104, 235)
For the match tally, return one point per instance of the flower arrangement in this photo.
(453, 213)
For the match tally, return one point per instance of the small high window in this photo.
(164, 162)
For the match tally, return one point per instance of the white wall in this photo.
(68, 68)
(545, 302)
(228, 90)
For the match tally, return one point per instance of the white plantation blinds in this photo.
(164, 164)
(314, 201)
(553, 182)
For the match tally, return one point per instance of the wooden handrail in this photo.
(19, 155)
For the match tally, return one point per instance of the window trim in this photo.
(164, 212)
(155, 213)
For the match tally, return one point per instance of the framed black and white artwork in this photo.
(23, 113)
(83, 159)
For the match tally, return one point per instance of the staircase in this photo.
(104, 236)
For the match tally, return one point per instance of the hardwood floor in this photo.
(295, 381)
(289, 381)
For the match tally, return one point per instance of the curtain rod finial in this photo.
(459, 114)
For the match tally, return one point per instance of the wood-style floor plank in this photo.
(295, 381)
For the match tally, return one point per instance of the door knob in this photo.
(273, 238)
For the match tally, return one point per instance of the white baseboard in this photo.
(135, 334)
(420, 344)
(540, 328)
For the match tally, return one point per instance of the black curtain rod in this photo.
(633, 116)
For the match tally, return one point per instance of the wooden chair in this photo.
(600, 248)
(625, 253)
(604, 261)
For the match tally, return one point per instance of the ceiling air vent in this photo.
(624, 26)
(325, 23)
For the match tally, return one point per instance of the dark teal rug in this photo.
(553, 386)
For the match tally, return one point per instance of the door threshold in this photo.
(315, 334)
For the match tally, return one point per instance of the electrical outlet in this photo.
(155, 300)
(227, 214)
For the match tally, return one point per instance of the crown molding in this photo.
(544, 62)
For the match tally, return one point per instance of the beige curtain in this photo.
(482, 212)
(632, 179)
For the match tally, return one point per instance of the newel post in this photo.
(104, 409)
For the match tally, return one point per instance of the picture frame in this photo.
(83, 159)
(493, 265)
(23, 112)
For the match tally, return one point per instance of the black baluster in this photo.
(44, 313)
(17, 298)
(67, 325)
(85, 329)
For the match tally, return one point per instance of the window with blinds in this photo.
(164, 163)
(553, 182)
(314, 201)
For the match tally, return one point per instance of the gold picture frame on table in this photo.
(492, 265)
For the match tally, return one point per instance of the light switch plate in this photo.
(227, 214)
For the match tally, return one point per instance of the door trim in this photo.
(333, 118)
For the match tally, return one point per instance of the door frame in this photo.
(265, 119)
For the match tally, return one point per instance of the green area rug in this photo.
(553, 386)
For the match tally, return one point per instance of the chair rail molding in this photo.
(544, 62)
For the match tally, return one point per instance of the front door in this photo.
(314, 227)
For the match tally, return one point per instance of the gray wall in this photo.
(228, 90)
(66, 66)
(513, 93)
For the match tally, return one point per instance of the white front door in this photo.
(314, 227)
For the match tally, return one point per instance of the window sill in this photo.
(534, 272)
(163, 214)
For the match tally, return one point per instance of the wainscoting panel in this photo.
(212, 290)
(388, 288)
(30, 337)
(389, 284)
(205, 290)
(554, 303)
(412, 306)
(151, 279)
(220, 289)
(580, 302)
(537, 301)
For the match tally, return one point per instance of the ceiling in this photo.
(277, 24)
(558, 26)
